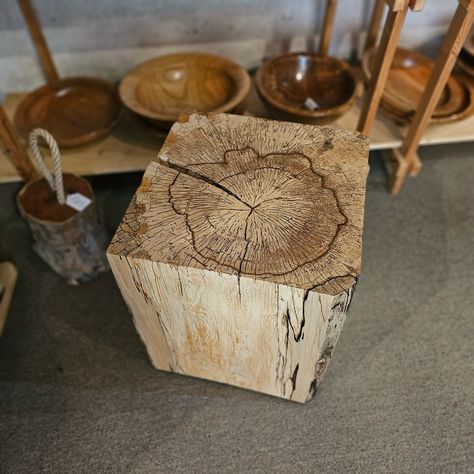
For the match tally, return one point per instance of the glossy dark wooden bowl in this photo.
(75, 110)
(305, 87)
(161, 89)
(407, 80)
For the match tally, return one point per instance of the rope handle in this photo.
(56, 181)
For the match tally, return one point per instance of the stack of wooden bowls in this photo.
(159, 90)
(307, 88)
(406, 82)
(466, 56)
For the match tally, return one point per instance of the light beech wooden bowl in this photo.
(161, 89)
(307, 88)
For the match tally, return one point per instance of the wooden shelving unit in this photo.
(130, 147)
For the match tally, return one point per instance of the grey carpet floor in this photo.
(78, 394)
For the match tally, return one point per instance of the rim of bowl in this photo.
(236, 72)
(369, 56)
(307, 113)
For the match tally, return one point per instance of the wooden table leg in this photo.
(381, 67)
(331, 6)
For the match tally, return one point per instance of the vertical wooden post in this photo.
(374, 26)
(331, 6)
(39, 41)
(406, 156)
(382, 63)
(14, 150)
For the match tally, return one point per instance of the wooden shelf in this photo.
(130, 147)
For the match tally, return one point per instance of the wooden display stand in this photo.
(397, 10)
(239, 253)
(328, 26)
(405, 159)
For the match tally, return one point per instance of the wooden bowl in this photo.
(305, 87)
(460, 109)
(407, 80)
(161, 89)
(75, 111)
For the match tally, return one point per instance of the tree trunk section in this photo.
(239, 253)
(72, 243)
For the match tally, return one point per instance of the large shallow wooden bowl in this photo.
(161, 89)
(407, 80)
(305, 87)
(459, 108)
(75, 110)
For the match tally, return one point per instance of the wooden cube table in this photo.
(240, 250)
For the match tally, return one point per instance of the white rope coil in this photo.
(56, 181)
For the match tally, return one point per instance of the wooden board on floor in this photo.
(130, 148)
(8, 276)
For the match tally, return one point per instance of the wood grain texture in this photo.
(161, 89)
(286, 84)
(240, 251)
(268, 185)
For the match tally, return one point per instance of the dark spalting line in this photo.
(296, 335)
(293, 379)
(283, 358)
(180, 282)
(189, 172)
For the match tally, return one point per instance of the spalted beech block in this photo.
(239, 253)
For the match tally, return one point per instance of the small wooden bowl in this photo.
(76, 110)
(161, 89)
(407, 80)
(307, 88)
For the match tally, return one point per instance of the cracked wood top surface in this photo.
(276, 201)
